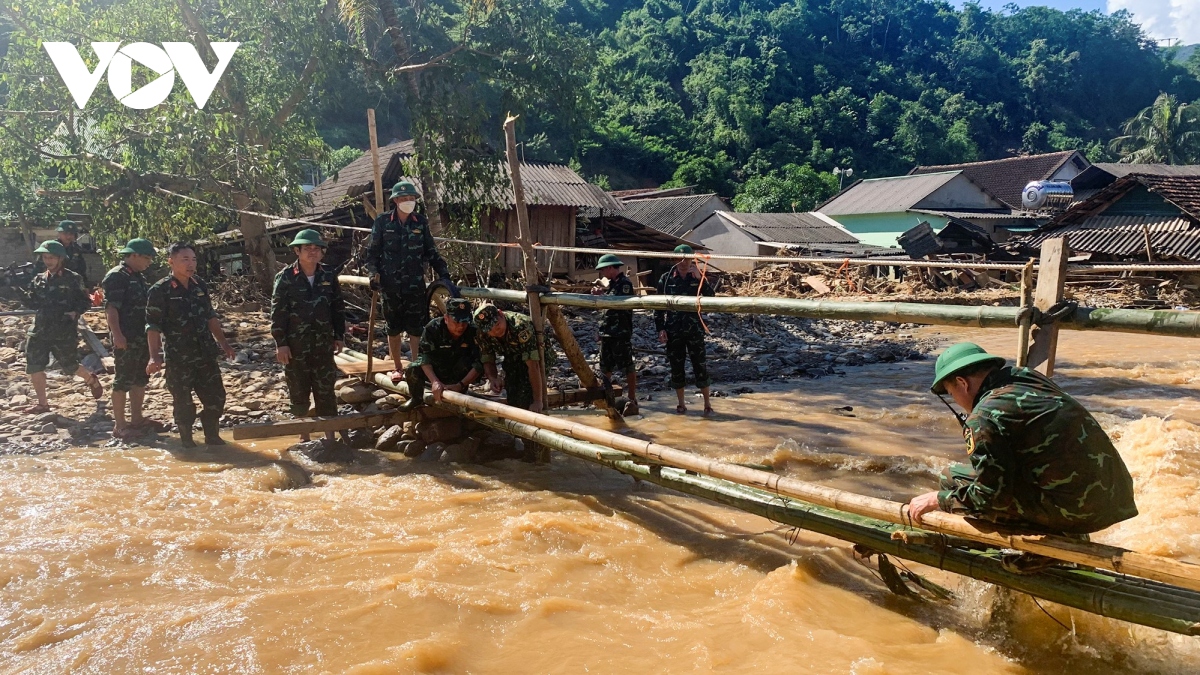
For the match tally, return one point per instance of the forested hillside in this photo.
(718, 92)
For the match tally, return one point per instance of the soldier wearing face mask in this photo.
(401, 245)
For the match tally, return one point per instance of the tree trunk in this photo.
(258, 246)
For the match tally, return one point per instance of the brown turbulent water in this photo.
(244, 561)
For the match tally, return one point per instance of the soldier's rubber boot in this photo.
(212, 428)
(416, 392)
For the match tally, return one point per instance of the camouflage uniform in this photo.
(452, 358)
(518, 345)
(308, 319)
(127, 291)
(73, 261)
(616, 331)
(181, 315)
(53, 331)
(1038, 458)
(685, 335)
(398, 253)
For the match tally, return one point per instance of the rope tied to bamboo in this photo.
(1058, 312)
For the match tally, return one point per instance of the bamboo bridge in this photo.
(1110, 581)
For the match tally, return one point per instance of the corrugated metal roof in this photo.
(1119, 170)
(1170, 236)
(886, 195)
(845, 250)
(545, 184)
(671, 214)
(1006, 178)
(789, 228)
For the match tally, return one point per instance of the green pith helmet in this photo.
(405, 188)
(486, 317)
(957, 357)
(459, 309)
(684, 249)
(140, 247)
(68, 226)
(608, 260)
(52, 247)
(304, 237)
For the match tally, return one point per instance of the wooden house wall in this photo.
(549, 226)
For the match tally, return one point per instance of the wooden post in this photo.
(1026, 322)
(532, 276)
(1051, 281)
(1149, 248)
(375, 161)
(378, 209)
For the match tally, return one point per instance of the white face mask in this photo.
(407, 207)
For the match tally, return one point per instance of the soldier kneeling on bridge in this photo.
(1039, 460)
(448, 353)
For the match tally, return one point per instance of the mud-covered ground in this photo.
(741, 349)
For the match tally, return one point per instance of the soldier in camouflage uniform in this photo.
(180, 310)
(401, 245)
(682, 332)
(616, 331)
(59, 297)
(68, 232)
(511, 336)
(308, 323)
(1039, 460)
(125, 291)
(449, 353)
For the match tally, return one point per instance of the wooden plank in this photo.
(309, 425)
(817, 284)
(1023, 329)
(1051, 282)
(360, 367)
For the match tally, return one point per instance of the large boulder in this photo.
(441, 430)
(389, 438)
(356, 393)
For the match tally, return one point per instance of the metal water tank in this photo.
(1047, 194)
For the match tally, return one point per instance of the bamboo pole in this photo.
(1127, 600)
(1112, 558)
(378, 209)
(566, 338)
(532, 276)
(1026, 321)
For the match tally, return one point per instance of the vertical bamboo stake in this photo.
(1149, 248)
(1051, 282)
(1026, 321)
(532, 276)
(378, 209)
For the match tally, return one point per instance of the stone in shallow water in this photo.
(324, 450)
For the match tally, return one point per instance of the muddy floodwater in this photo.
(246, 560)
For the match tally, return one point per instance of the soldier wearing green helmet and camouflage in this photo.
(308, 324)
(1039, 460)
(616, 330)
(68, 232)
(401, 245)
(449, 356)
(60, 298)
(682, 332)
(511, 336)
(125, 292)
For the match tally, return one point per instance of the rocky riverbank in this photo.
(741, 349)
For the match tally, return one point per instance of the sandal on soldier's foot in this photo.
(680, 409)
(126, 433)
(631, 408)
(396, 376)
(708, 411)
(96, 387)
(214, 440)
(187, 442)
(37, 409)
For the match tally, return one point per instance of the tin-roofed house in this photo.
(879, 210)
(1136, 217)
(769, 234)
